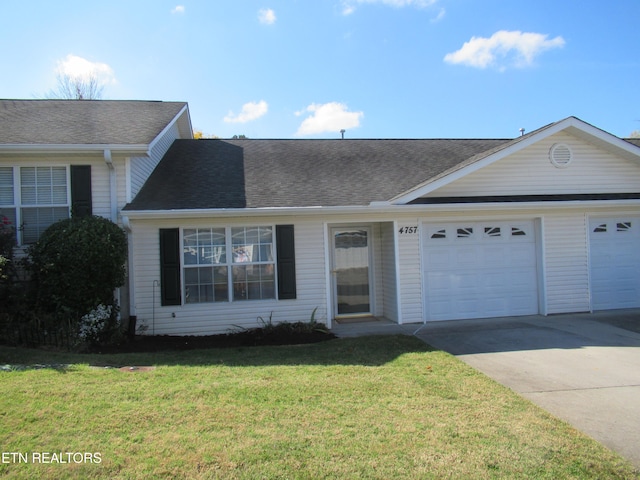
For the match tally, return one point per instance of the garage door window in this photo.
(623, 226)
(492, 231)
(465, 232)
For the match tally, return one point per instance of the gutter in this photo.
(136, 149)
(378, 208)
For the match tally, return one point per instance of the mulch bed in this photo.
(249, 338)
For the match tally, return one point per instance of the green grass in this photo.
(373, 407)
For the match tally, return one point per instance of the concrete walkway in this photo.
(582, 368)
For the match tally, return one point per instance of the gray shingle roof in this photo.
(197, 174)
(84, 122)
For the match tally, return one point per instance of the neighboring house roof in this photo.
(84, 122)
(218, 174)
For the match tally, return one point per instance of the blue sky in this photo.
(309, 68)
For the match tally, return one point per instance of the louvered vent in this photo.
(560, 155)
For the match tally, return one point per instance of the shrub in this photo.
(76, 265)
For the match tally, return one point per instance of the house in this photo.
(223, 233)
(66, 157)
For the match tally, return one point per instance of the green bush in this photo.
(76, 265)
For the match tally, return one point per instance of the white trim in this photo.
(538, 225)
(328, 274)
(393, 209)
(127, 179)
(396, 253)
(587, 226)
(168, 126)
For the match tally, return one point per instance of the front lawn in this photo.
(373, 407)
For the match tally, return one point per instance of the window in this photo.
(623, 226)
(44, 199)
(205, 265)
(38, 199)
(440, 234)
(465, 232)
(215, 258)
(492, 231)
(254, 267)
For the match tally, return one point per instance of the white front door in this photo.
(615, 262)
(480, 269)
(351, 253)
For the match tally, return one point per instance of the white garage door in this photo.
(615, 262)
(480, 270)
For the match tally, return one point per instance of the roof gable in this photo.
(531, 171)
(84, 122)
(570, 125)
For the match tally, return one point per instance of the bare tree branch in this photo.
(77, 88)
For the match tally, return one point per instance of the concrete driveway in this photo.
(582, 368)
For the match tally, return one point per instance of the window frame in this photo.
(18, 201)
(232, 266)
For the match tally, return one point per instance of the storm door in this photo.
(351, 272)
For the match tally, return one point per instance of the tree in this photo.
(77, 88)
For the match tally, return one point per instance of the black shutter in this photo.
(81, 205)
(170, 266)
(285, 246)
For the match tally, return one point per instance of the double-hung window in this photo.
(228, 264)
(44, 199)
(33, 198)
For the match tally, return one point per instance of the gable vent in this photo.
(560, 155)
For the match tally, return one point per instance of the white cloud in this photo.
(250, 111)
(266, 16)
(349, 6)
(502, 49)
(440, 16)
(328, 117)
(78, 67)
(178, 9)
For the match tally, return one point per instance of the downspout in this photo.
(130, 274)
(113, 192)
(113, 196)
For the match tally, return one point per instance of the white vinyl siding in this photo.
(141, 167)
(388, 271)
(410, 274)
(222, 317)
(530, 172)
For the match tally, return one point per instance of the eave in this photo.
(374, 209)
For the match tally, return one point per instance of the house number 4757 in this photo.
(408, 230)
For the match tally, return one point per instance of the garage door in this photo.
(480, 270)
(615, 263)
